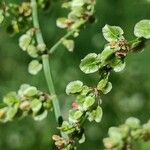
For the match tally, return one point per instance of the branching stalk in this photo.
(45, 59)
(54, 48)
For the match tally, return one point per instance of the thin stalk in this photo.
(54, 48)
(60, 41)
(45, 59)
(71, 32)
(47, 72)
(39, 36)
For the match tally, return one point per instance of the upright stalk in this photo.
(48, 76)
(36, 25)
(45, 59)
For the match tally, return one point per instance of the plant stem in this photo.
(71, 32)
(52, 49)
(47, 72)
(45, 59)
(39, 36)
(60, 41)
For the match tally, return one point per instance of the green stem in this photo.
(45, 60)
(60, 41)
(71, 32)
(39, 36)
(47, 72)
(66, 36)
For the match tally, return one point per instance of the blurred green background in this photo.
(131, 88)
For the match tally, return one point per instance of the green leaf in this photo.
(112, 33)
(74, 15)
(36, 105)
(106, 54)
(75, 115)
(11, 112)
(96, 114)
(110, 143)
(41, 116)
(11, 98)
(146, 127)
(41, 47)
(99, 114)
(77, 3)
(108, 88)
(48, 104)
(117, 64)
(24, 41)
(89, 101)
(69, 44)
(74, 87)
(142, 29)
(137, 45)
(67, 127)
(32, 51)
(66, 5)
(34, 67)
(120, 67)
(80, 99)
(85, 90)
(124, 129)
(22, 88)
(1, 16)
(133, 123)
(89, 63)
(102, 84)
(27, 90)
(115, 133)
(82, 140)
(30, 91)
(136, 134)
(62, 23)
(78, 114)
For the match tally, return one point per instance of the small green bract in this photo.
(1, 16)
(112, 33)
(74, 87)
(142, 29)
(24, 41)
(69, 44)
(34, 67)
(133, 122)
(32, 51)
(89, 63)
(36, 105)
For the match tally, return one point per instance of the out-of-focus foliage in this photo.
(130, 94)
(122, 137)
(28, 100)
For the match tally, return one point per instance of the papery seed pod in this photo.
(25, 105)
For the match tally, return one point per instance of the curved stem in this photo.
(45, 60)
